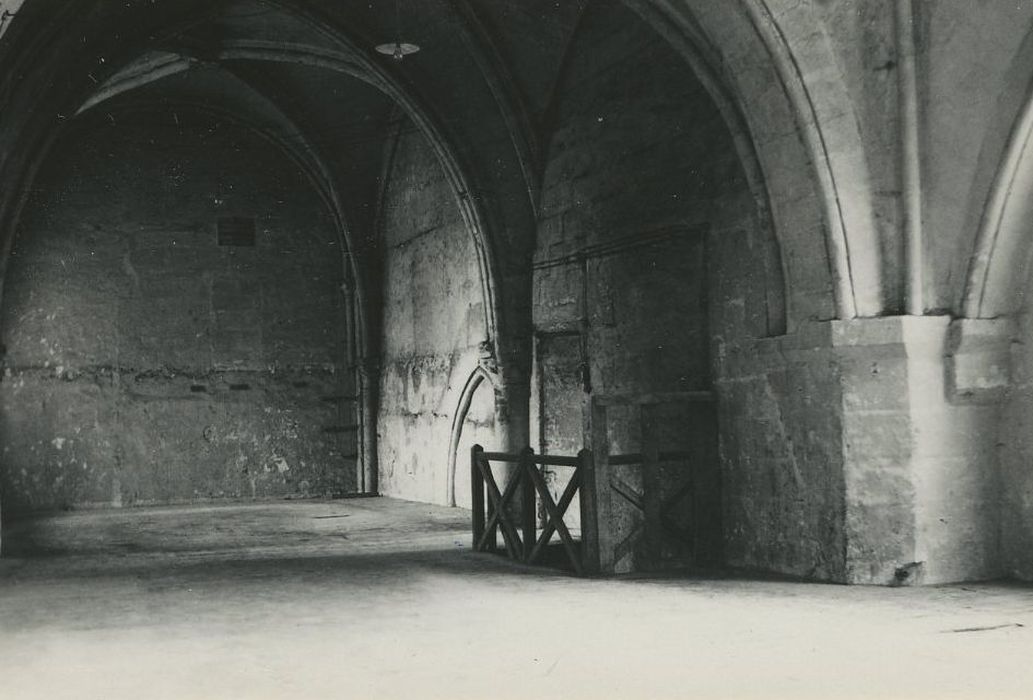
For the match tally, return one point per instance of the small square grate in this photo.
(237, 231)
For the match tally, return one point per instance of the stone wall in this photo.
(856, 458)
(922, 491)
(843, 455)
(861, 450)
(433, 322)
(145, 362)
(782, 464)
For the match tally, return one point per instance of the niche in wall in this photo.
(474, 425)
(149, 364)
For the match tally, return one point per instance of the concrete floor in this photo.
(377, 598)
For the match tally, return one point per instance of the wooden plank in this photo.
(491, 533)
(489, 538)
(494, 522)
(556, 461)
(561, 507)
(603, 546)
(654, 398)
(477, 495)
(589, 512)
(501, 511)
(510, 539)
(499, 515)
(502, 457)
(556, 519)
(651, 485)
(528, 514)
(627, 545)
(625, 490)
(555, 515)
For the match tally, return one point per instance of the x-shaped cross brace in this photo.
(637, 499)
(554, 517)
(500, 515)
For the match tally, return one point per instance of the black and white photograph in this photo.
(516, 349)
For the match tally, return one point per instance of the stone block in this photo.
(979, 359)
(880, 541)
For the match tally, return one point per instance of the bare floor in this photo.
(377, 598)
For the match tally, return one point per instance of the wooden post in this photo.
(599, 484)
(528, 514)
(477, 493)
(651, 484)
(492, 542)
(589, 512)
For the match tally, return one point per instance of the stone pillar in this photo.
(920, 464)
(512, 415)
(848, 457)
(989, 387)
(873, 358)
(369, 392)
(513, 402)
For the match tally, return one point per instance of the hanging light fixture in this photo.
(397, 49)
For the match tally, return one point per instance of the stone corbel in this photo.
(486, 360)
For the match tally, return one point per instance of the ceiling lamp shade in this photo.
(397, 50)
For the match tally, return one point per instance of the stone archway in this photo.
(331, 49)
(1001, 252)
(791, 116)
(477, 400)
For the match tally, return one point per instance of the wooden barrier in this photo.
(657, 518)
(519, 524)
(597, 479)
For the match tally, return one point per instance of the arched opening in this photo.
(351, 126)
(174, 321)
(247, 257)
(433, 320)
(668, 159)
(473, 424)
(655, 268)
